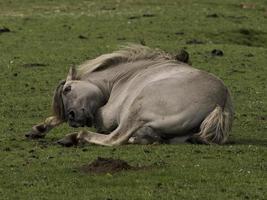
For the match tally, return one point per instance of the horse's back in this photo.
(176, 87)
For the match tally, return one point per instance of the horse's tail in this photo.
(216, 126)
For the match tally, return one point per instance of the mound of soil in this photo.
(107, 165)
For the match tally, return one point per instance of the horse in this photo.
(140, 95)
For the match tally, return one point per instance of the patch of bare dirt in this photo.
(107, 165)
(248, 5)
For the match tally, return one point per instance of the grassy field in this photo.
(39, 40)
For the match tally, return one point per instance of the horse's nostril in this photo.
(71, 115)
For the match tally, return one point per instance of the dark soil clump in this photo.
(134, 17)
(214, 15)
(217, 52)
(182, 56)
(194, 41)
(107, 165)
(34, 65)
(148, 15)
(179, 33)
(4, 30)
(82, 37)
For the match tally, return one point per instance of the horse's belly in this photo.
(176, 106)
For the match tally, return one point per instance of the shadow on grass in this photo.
(256, 142)
(46, 142)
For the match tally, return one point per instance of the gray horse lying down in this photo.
(139, 95)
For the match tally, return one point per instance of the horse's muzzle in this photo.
(89, 122)
(74, 124)
(81, 123)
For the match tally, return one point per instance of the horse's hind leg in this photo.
(40, 130)
(145, 135)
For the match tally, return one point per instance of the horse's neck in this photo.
(127, 69)
(118, 74)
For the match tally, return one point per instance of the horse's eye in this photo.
(67, 89)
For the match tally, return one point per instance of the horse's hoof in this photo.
(132, 140)
(68, 141)
(32, 135)
(65, 143)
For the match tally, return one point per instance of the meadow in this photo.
(40, 40)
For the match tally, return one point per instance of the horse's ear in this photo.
(72, 74)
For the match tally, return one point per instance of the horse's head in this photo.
(77, 101)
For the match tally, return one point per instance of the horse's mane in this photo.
(57, 104)
(130, 53)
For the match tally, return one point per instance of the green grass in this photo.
(47, 32)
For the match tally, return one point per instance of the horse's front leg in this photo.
(69, 140)
(40, 130)
(81, 137)
(117, 137)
